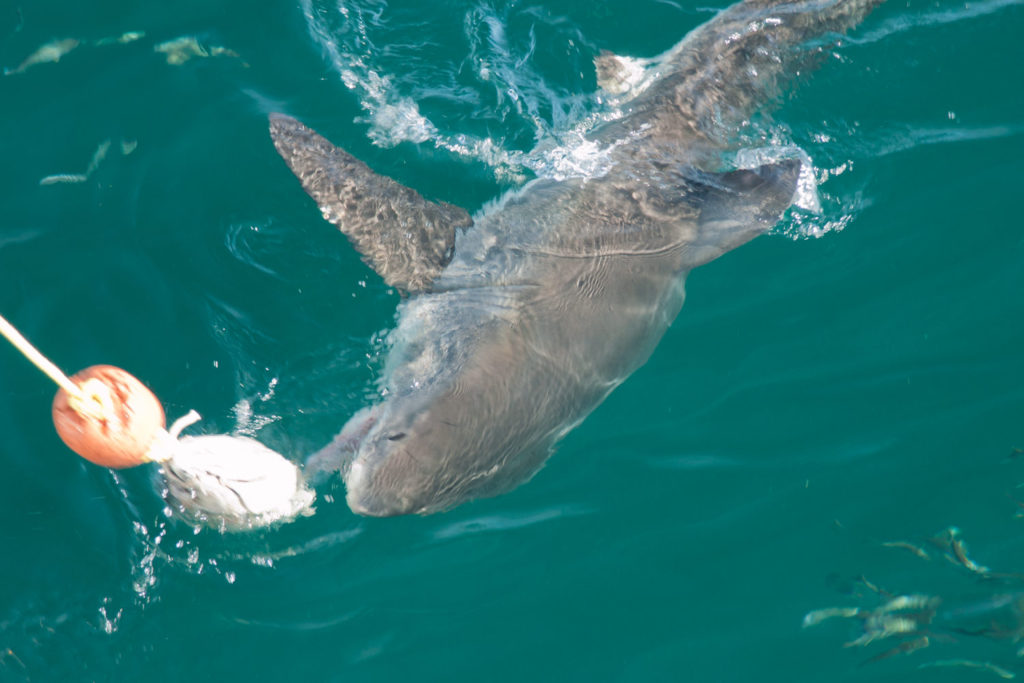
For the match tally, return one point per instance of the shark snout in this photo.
(365, 496)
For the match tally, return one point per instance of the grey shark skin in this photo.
(520, 320)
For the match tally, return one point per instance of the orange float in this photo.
(110, 418)
(113, 420)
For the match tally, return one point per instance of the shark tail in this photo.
(727, 69)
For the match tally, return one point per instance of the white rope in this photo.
(39, 360)
(166, 441)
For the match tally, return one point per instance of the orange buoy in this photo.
(113, 421)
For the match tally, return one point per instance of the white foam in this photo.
(394, 116)
(560, 121)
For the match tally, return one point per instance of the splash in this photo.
(511, 91)
(247, 421)
(806, 196)
(343, 35)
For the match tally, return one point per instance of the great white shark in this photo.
(518, 321)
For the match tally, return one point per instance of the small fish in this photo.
(10, 653)
(883, 626)
(872, 587)
(950, 540)
(960, 553)
(50, 52)
(901, 649)
(180, 50)
(819, 615)
(128, 146)
(905, 602)
(218, 51)
(63, 178)
(970, 663)
(123, 39)
(920, 552)
(98, 156)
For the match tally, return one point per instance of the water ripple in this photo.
(248, 242)
(898, 141)
(902, 24)
(508, 89)
(506, 522)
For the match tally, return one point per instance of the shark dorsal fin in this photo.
(618, 75)
(401, 235)
(737, 206)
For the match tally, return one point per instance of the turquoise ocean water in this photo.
(833, 398)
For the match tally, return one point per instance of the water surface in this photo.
(853, 379)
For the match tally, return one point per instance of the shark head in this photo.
(413, 459)
(430, 449)
(396, 462)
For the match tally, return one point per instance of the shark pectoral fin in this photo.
(738, 206)
(401, 235)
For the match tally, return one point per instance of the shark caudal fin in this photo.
(738, 206)
(405, 238)
(731, 67)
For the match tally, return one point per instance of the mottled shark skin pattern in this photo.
(516, 323)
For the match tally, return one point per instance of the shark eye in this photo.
(396, 437)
